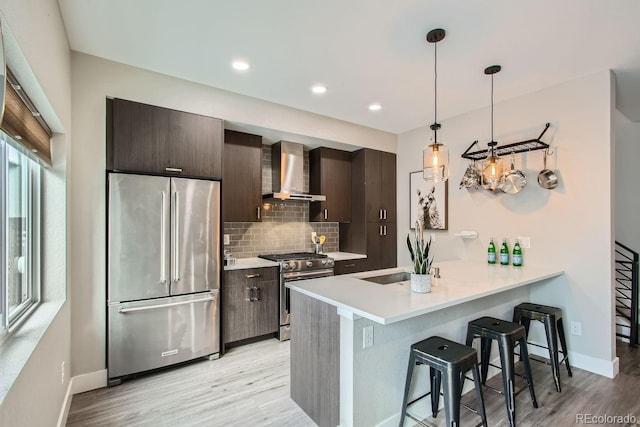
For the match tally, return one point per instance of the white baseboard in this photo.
(80, 384)
(66, 404)
(606, 368)
(88, 382)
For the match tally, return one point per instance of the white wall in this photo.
(627, 179)
(40, 58)
(571, 226)
(93, 80)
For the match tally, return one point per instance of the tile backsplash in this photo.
(284, 227)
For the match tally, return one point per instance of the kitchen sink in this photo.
(389, 279)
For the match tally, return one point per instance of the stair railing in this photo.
(626, 285)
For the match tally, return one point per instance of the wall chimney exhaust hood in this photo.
(287, 163)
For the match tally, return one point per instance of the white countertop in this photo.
(344, 256)
(245, 263)
(460, 282)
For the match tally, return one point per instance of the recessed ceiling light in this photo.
(240, 65)
(318, 88)
(375, 107)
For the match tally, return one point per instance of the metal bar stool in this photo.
(450, 361)
(551, 317)
(507, 334)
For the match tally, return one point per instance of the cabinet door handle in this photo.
(380, 214)
(253, 276)
(173, 169)
(259, 211)
(249, 294)
(384, 215)
(384, 227)
(349, 265)
(257, 297)
(326, 213)
(381, 230)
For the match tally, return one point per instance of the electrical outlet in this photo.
(62, 372)
(227, 239)
(576, 328)
(525, 241)
(367, 336)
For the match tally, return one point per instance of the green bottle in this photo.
(491, 252)
(517, 255)
(504, 253)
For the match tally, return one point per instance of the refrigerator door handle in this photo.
(171, 304)
(176, 234)
(163, 255)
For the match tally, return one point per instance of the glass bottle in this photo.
(517, 255)
(491, 252)
(504, 253)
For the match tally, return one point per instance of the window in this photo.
(20, 232)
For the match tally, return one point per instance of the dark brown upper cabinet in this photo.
(242, 177)
(380, 185)
(330, 175)
(149, 139)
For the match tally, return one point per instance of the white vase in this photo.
(420, 283)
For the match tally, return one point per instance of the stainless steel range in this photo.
(297, 266)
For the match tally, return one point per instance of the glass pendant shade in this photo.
(435, 163)
(492, 169)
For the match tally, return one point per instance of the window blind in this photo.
(22, 121)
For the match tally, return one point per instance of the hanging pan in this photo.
(513, 180)
(547, 178)
(471, 177)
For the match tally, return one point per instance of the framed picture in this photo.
(428, 200)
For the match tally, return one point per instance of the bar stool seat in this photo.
(551, 317)
(507, 334)
(450, 361)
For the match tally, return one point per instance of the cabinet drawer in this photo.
(250, 276)
(350, 266)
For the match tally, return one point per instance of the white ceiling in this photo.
(369, 50)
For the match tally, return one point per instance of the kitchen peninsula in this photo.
(351, 337)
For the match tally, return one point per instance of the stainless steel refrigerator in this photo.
(163, 272)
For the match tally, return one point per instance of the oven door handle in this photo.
(316, 273)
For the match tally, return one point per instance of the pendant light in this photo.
(435, 156)
(492, 167)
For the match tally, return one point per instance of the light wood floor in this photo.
(249, 386)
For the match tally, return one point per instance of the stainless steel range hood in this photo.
(287, 163)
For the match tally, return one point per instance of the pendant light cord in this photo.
(435, 84)
(491, 107)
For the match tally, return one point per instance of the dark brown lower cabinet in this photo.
(249, 303)
(350, 266)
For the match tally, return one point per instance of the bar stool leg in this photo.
(407, 387)
(485, 354)
(526, 322)
(552, 341)
(508, 374)
(524, 353)
(479, 398)
(451, 389)
(436, 378)
(563, 343)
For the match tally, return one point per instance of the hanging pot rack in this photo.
(516, 147)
